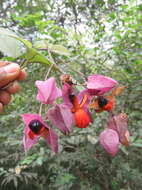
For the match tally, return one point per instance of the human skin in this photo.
(10, 75)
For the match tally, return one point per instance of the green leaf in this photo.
(27, 43)
(111, 1)
(59, 49)
(41, 44)
(29, 159)
(66, 179)
(33, 56)
(100, 2)
(137, 144)
(39, 161)
(55, 48)
(112, 15)
(123, 149)
(8, 45)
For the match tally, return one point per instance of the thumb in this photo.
(9, 73)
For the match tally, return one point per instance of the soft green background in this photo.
(83, 37)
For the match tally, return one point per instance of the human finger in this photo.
(9, 73)
(14, 88)
(22, 75)
(3, 63)
(5, 97)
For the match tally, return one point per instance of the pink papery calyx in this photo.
(48, 91)
(36, 127)
(110, 141)
(119, 123)
(60, 115)
(100, 84)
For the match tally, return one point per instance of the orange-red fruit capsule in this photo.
(108, 106)
(82, 119)
(31, 135)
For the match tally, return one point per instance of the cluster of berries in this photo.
(74, 110)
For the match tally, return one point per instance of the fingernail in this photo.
(12, 68)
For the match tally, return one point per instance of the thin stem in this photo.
(78, 72)
(40, 109)
(49, 70)
(81, 74)
(53, 62)
(56, 66)
(23, 64)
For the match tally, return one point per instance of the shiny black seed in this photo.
(102, 101)
(35, 125)
(71, 97)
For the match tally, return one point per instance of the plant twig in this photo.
(53, 62)
(49, 70)
(40, 109)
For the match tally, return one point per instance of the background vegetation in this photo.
(87, 36)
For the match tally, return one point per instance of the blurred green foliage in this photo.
(84, 37)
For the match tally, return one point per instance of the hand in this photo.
(10, 74)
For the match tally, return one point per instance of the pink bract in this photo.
(66, 91)
(110, 141)
(60, 116)
(119, 123)
(100, 84)
(47, 91)
(82, 94)
(51, 138)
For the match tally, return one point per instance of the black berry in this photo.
(71, 97)
(102, 101)
(35, 125)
